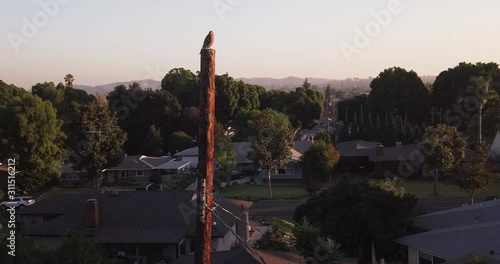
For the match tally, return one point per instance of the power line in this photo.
(216, 214)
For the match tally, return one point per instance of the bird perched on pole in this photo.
(209, 40)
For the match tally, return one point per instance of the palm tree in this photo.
(69, 79)
(326, 251)
(484, 92)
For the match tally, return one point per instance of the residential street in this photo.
(275, 208)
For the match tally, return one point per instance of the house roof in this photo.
(302, 146)
(458, 242)
(241, 149)
(360, 148)
(236, 256)
(488, 211)
(155, 161)
(356, 148)
(145, 162)
(128, 217)
(174, 165)
(187, 152)
(131, 163)
(398, 153)
(67, 168)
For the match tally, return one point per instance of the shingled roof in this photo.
(128, 217)
(458, 242)
(455, 233)
(471, 214)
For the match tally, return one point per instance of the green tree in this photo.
(102, 143)
(242, 123)
(306, 84)
(442, 148)
(153, 143)
(67, 101)
(49, 91)
(69, 79)
(271, 141)
(179, 141)
(304, 107)
(190, 120)
(305, 236)
(183, 84)
(80, 249)
(484, 93)
(226, 158)
(454, 84)
(138, 109)
(274, 99)
(320, 160)
(359, 215)
(398, 92)
(323, 135)
(475, 173)
(32, 135)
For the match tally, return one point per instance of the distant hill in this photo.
(106, 88)
(287, 84)
(290, 83)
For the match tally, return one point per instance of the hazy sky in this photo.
(120, 40)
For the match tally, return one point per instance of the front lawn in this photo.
(259, 192)
(425, 188)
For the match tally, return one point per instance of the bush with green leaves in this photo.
(279, 237)
(180, 181)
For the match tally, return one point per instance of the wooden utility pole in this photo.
(203, 239)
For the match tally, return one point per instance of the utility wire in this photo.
(236, 235)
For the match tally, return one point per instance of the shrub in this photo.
(278, 238)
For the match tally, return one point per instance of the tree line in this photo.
(57, 122)
(399, 105)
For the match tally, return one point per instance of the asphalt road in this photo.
(275, 208)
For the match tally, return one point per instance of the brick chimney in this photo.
(379, 150)
(92, 213)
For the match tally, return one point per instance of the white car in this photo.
(19, 202)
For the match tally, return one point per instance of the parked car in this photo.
(147, 187)
(19, 202)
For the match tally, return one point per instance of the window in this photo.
(139, 173)
(122, 174)
(424, 258)
(281, 171)
(436, 260)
